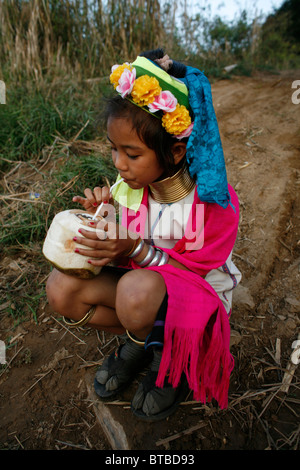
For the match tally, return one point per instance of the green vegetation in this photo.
(82, 39)
(280, 37)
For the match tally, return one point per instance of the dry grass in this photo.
(248, 411)
(84, 38)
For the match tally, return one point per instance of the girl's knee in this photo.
(51, 287)
(138, 298)
(132, 291)
(58, 289)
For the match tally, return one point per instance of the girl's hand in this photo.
(109, 242)
(93, 198)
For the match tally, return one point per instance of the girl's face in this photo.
(135, 162)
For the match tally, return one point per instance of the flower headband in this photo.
(149, 87)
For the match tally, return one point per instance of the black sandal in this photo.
(122, 371)
(152, 403)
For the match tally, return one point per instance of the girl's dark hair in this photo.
(177, 69)
(148, 127)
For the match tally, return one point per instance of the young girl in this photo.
(167, 277)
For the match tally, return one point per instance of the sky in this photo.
(229, 9)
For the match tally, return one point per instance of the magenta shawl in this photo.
(197, 331)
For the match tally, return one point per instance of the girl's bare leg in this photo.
(139, 296)
(129, 301)
(73, 297)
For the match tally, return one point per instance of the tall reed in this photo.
(39, 37)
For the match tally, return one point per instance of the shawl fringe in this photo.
(202, 356)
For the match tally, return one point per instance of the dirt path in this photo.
(43, 395)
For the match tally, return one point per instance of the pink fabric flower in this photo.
(185, 133)
(126, 82)
(166, 101)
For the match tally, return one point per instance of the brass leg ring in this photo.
(141, 343)
(83, 321)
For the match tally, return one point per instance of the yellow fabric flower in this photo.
(177, 121)
(117, 72)
(145, 89)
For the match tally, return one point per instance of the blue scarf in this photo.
(204, 148)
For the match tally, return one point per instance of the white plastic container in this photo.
(59, 245)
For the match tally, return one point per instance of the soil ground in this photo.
(44, 399)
